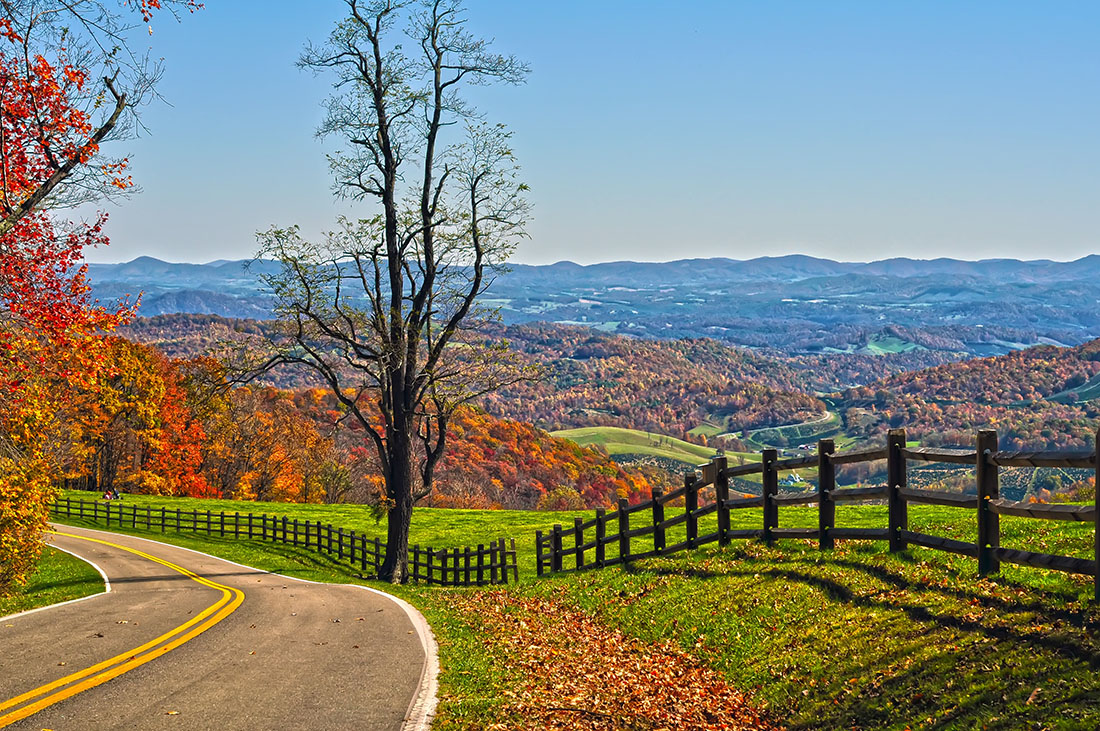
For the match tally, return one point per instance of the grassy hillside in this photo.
(852, 638)
(617, 440)
(882, 344)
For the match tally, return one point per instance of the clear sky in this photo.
(664, 130)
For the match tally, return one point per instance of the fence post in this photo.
(555, 549)
(691, 504)
(989, 523)
(658, 518)
(1096, 520)
(503, 561)
(897, 507)
(624, 529)
(466, 566)
(601, 536)
(769, 482)
(416, 562)
(721, 482)
(826, 483)
(538, 552)
(578, 542)
(377, 557)
(515, 558)
(221, 523)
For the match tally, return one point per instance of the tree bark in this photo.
(399, 482)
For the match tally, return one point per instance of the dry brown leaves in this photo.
(577, 673)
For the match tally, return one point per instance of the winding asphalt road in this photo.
(187, 641)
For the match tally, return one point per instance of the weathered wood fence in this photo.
(492, 564)
(609, 538)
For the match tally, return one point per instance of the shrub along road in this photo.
(191, 641)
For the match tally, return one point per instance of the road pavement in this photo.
(188, 641)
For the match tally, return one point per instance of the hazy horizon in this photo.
(849, 130)
(662, 261)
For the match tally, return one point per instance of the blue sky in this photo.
(659, 130)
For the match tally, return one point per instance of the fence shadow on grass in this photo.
(971, 658)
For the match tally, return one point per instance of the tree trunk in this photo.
(399, 490)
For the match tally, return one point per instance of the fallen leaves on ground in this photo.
(577, 673)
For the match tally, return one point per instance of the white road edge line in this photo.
(421, 708)
(106, 589)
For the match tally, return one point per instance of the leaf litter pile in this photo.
(576, 673)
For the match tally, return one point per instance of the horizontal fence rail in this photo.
(465, 566)
(634, 532)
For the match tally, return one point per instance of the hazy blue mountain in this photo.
(793, 303)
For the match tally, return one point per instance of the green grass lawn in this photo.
(851, 638)
(59, 578)
(431, 527)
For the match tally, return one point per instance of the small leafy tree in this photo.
(385, 308)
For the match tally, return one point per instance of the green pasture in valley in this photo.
(617, 440)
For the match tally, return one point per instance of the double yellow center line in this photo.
(31, 702)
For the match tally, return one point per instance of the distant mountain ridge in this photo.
(791, 267)
(794, 303)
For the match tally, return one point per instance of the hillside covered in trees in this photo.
(1036, 397)
(154, 424)
(1041, 397)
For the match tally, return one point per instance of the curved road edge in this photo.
(106, 589)
(421, 708)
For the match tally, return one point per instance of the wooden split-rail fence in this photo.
(466, 566)
(610, 538)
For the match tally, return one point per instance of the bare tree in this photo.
(385, 308)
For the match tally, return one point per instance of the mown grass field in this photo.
(851, 638)
(59, 578)
(617, 440)
(888, 344)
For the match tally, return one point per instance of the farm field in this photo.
(617, 440)
(798, 630)
(888, 344)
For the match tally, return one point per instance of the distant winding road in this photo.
(184, 640)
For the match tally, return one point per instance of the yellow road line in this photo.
(100, 673)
